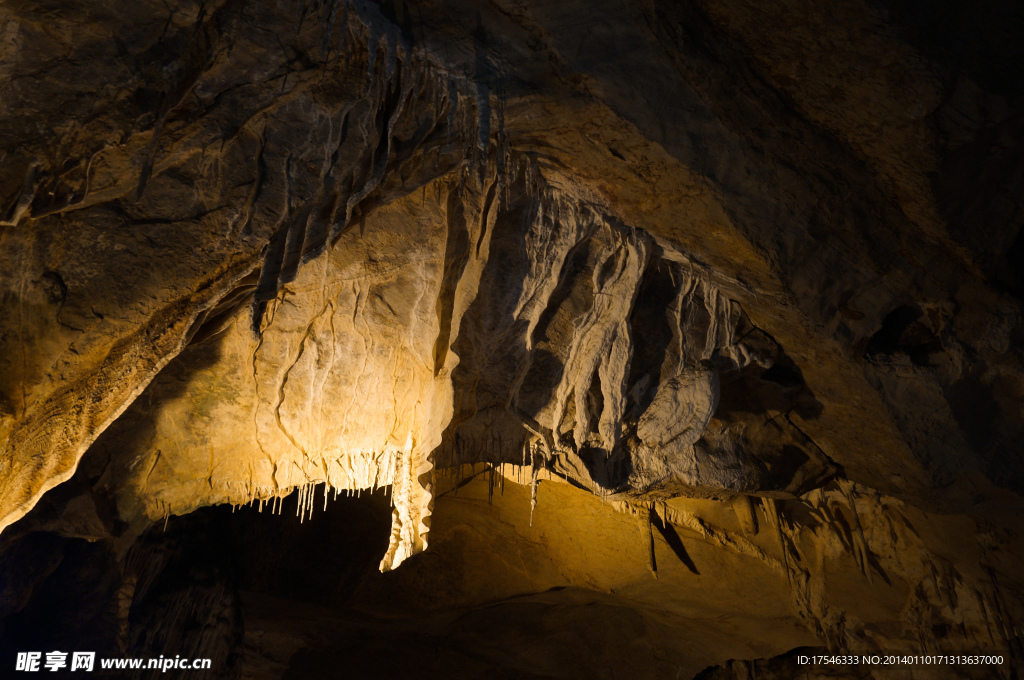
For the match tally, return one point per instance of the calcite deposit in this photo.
(704, 314)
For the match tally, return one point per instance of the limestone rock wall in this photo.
(187, 139)
(454, 324)
(702, 250)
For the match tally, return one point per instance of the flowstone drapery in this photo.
(386, 354)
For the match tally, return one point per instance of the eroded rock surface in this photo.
(746, 272)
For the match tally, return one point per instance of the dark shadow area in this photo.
(611, 470)
(785, 467)
(1012, 272)
(545, 372)
(780, 388)
(135, 428)
(177, 590)
(904, 331)
(56, 593)
(671, 536)
(983, 407)
(654, 304)
(783, 376)
(981, 39)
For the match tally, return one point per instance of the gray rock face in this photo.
(680, 410)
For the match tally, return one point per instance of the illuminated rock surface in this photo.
(664, 337)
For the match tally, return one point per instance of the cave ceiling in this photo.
(748, 270)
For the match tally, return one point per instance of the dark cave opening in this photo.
(181, 587)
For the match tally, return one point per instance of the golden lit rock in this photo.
(534, 339)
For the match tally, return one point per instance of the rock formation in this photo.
(704, 315)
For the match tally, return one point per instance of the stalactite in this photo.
(535, 470)
(771, 510)
(711, 304)
(647, 529)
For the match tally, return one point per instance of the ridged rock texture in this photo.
(704, 316)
